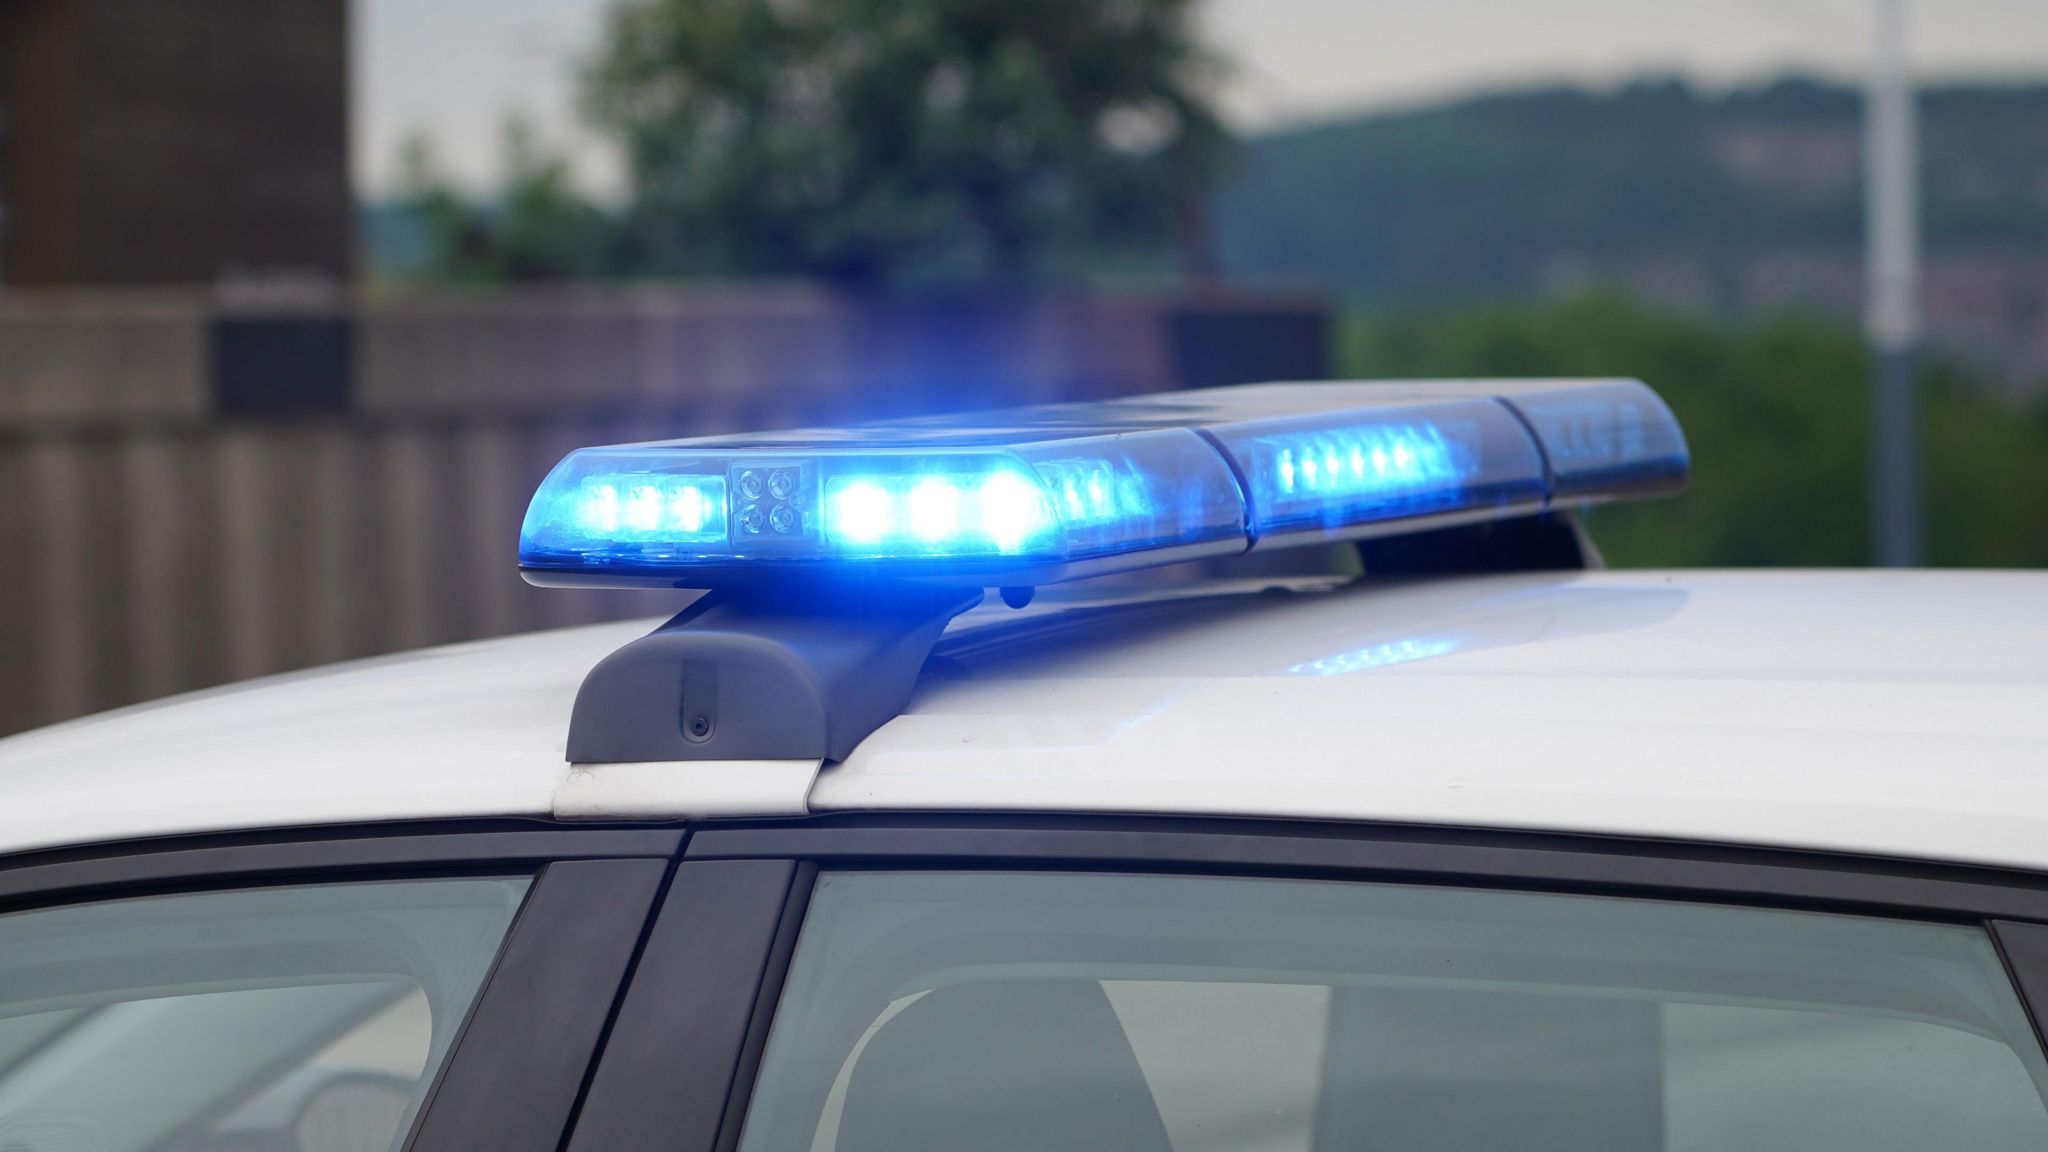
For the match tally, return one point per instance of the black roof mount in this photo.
(1546, 542)
(767, 671)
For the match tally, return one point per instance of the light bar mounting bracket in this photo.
(764, 671)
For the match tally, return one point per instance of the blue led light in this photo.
(1001, 512)
(1348, 462)
(861, 512)
(1056, 493)
(650, 512)
(1337, 473)
(1089, 492)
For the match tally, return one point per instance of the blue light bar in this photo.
(1330, 475)
(1605, 440)
(1039, 495)
(989, 512)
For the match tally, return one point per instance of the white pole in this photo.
(1891, 318)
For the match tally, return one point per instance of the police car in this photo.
(1302, 786)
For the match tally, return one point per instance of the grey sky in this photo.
(453, 68)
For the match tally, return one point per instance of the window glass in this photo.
(297, 1019)
(1015, 1011)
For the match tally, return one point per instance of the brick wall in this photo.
(127, 156)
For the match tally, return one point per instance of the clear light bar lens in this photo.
(1606, 439)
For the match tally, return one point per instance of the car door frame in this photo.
(540, 1016)
(678, 1068)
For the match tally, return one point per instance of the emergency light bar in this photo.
(1039, 495)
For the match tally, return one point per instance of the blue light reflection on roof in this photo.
(1376, 656)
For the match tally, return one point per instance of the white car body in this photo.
(1902, 715)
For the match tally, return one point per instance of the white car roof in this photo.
(1898, 714)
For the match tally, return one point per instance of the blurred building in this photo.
(151, 142)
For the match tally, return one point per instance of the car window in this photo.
(1015, 1011)
(289, 1019)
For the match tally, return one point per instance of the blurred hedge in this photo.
(1776, 414)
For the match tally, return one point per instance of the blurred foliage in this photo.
(906, 142)
(1775, 412)
(538, 228)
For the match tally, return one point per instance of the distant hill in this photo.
(1736, 202)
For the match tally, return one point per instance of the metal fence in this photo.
(193, 493)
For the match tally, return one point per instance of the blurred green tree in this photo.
(1775, 414)
(908, 142)
(545, 229)
(447, 243)
(539, 227)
